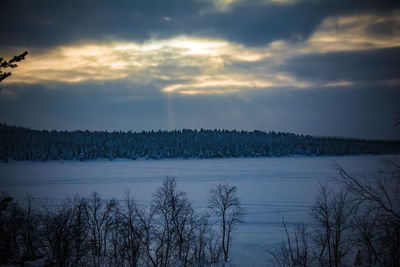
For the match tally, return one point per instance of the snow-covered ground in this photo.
(268, 187)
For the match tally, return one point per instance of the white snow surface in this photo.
(269, 188)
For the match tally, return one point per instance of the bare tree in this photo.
(11, 221)
(295, 252)
(115, 255)
(332, 212)
(96, 232)
(213, 246)
(225, 204)
(172, 233)
(151, 243)
(48, 233)
(99, 215)
(377, 227)
(383, 193)
(165, 209)
(131, 232)
(57, 232)
(80, 230)
(175, 216)
(361, 221)
(30, 238)
(201, 236)
(365, 227)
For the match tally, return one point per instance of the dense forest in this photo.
(18, 143)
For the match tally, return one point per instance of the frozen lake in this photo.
(268, 187)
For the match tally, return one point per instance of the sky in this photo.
(323, 68)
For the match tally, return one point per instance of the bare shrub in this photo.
(296, 251)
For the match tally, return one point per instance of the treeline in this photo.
(17, 143)
(358, 225)
(96, 232)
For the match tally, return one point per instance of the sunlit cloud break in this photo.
(184, 58)
(357, 32)
(192, 65)
(224, 5)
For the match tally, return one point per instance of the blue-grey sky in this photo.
(328, 67)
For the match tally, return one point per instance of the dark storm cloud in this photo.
(377, 65)
(47, 22)
(260, 23)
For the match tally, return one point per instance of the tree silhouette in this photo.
(4, 64)
(225, 204)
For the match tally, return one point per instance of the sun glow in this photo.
(194, 65)
(192, 46)
(224, 5)
(167, 60)
(350, 33)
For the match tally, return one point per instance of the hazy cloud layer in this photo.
(365, 112)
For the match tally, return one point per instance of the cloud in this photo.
(269, 65)
(48, 23)
(338, 68)
(182, 65)
(356, 32)
(186, 65)
(228, 5)
(342, 51)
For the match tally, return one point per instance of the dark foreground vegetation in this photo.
(97, 232)
(17, 143)
(358, 225)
